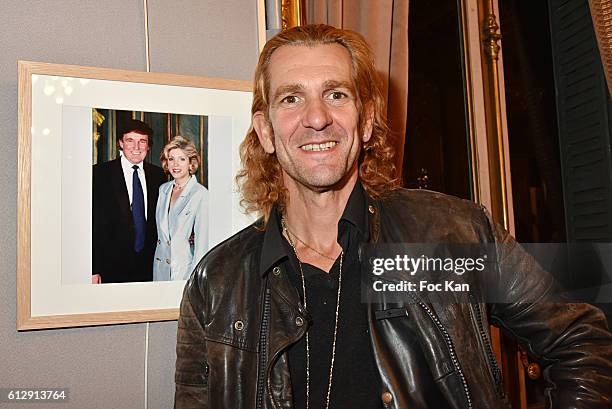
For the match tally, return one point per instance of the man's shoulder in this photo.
(432, 215)
(227, 278)
(240, 248)
(105, 171)
(429, 201)
(106, 166)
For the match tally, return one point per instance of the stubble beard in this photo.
(329, 176)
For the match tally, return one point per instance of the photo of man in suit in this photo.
(124, 198)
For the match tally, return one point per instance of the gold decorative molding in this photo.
(469, 95)
(601, 12)
(292, 12)
(490, 37)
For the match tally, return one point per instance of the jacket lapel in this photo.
(164, 200)
(152, 189)
(120, 191)
(180, 204)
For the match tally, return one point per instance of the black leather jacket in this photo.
(235, 323)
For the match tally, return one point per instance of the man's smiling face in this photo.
(313, 116)
(135, 146)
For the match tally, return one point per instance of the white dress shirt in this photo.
(126, 165)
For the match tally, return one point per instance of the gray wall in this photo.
(104, 367)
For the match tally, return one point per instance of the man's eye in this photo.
(337, 95)
(289, 99)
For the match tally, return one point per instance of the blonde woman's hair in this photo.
(184, 144)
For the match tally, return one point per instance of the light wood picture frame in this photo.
(54, 185)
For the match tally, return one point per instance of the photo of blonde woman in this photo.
(181, 214)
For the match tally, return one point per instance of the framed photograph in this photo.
(76, 146)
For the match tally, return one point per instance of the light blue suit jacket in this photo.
(175, 258)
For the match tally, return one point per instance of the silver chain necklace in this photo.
(333, 355)
(295, 236)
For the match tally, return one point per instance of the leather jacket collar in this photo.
(273, 249)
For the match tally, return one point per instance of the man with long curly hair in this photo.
(273, 317)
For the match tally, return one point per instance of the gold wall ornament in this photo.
(98, 120)
(601, 12)
(469, 95)
(492, 36)
(292, 12)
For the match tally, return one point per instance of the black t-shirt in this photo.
(356, 383)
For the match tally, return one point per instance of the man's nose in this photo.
(316, 115)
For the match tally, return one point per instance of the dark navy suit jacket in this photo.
(114, 257)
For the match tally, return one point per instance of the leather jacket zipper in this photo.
(274, 357)
(263, 350)
(495, 371)
(451, 349)
(263, 377)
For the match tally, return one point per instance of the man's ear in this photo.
(368, 122)
(263, 128)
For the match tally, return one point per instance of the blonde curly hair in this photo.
(261, 179)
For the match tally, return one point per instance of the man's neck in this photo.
(312, 217)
